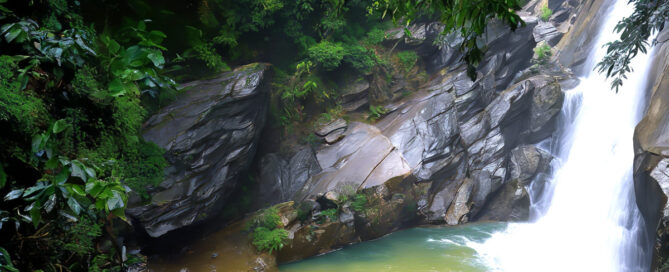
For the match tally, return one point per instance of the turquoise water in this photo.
(420, 249)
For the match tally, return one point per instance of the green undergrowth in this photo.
(267, 233)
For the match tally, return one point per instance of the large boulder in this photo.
(651, 162)
(210, 134)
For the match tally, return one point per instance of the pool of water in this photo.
(439, 249)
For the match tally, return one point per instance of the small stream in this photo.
(440, 249)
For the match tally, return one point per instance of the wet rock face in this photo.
(529, 166)
(280, 179)
(651, 161)
(210, 134)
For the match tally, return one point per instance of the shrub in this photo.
(359, 202)
(328, 54)
(375, 36)
(331, 214)
(407, 59)
(361, 58)
(269, 219)
(375, 112)
(546, 13)
(269, 239)
(303, 211)
(267, 233)
(543, 53)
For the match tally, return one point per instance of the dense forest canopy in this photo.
(78, 78)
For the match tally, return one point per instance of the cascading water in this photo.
(592, 222)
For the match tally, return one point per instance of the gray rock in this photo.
(364, 158)
(546, 31)
(459, 210)
(210, 134)
(326, 128)
(280, 180)
(527, 161)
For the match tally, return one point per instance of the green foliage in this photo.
(330, 214)
(359, 203)
(303, 211)
(73, 100)
(543, 53)
(82, 241)
(375, 36)
(269, 219)
(546, 12)
(361, 58)
(269, 239)
(375, 112)
(407, 59)
(329, 55)
(19, 107)
(5, 258)
(143, 166)
(267, 231)
(648, 18)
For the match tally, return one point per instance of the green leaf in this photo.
(77, 169)
(157, 59)
(94, 187)
(14, 194)
(3, 177)
(116, 88)
(100, 204)
(38, 187)
(51, 163)
(157, 36)
(74, 205)
(50, 203)
(77, 189)
(59, 126)
(37, 143)
(35, 213)
(62, 177)
(90, 172)
(115, 202)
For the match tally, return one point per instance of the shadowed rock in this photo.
(210, 134)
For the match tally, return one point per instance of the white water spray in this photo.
(592, 222)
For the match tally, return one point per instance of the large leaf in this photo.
(76, 189)
(14, 194)
(35, 213)
(94, 187)
(59, 126)
(78, 170)
(50, 203)
(116, 88)
(115, 202)
(157, 59)
(74, 205)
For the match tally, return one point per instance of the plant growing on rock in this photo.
(269, 240)
(267, 231)
(407, 59)
(546, 13)
(375, 112)
(330, 214)
(359, 203)
(542, 53)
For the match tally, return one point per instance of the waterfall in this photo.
(591, 221)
